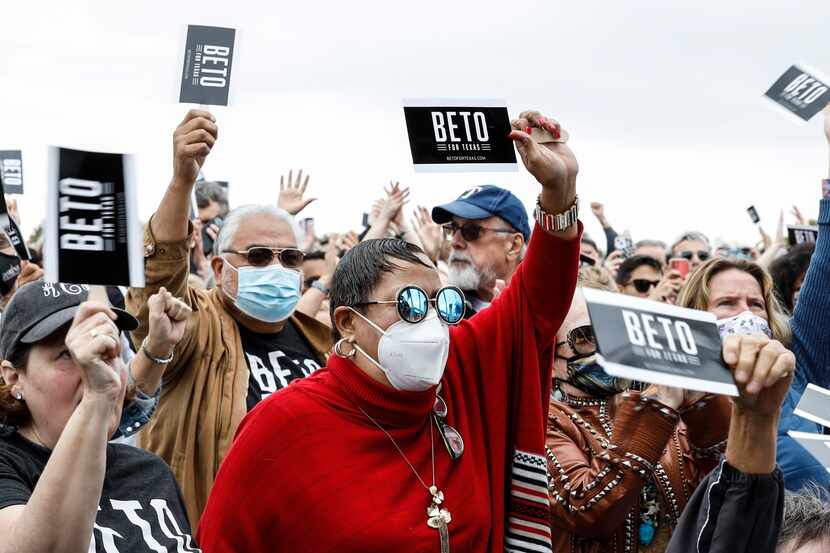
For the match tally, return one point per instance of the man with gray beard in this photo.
(489, 230)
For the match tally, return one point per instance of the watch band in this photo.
(156, 360)
(559, 221)
(319, 285)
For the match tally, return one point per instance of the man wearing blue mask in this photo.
(244, 340)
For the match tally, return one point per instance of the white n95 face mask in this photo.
(413, 356)
(744, 324)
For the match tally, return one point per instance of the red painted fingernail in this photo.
(556, 134)
(528, 130)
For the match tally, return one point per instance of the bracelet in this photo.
(559, 221)
(156, 360)
(319, 286)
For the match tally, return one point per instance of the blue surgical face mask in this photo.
(268, 294)
(586, 374)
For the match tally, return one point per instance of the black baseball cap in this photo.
(38, 309)
(486, 201)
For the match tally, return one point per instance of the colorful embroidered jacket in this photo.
(626, 466)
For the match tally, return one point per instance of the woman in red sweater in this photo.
(416, 436)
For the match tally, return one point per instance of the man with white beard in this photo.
(489, 230)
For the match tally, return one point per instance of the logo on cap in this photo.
(49, 289)
(470, 192)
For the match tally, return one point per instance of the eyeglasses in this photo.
(260, 256)
(643, 285)
(413, 304)
(451, 437)
(581, 340)
(470, 231)
(702, 255)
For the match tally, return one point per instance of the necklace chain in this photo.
(403, 455)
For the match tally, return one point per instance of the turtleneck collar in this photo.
(388, 406)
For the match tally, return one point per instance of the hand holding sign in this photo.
(553, 164)
(763, 370)
(192, 142)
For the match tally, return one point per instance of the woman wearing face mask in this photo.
(63, 487)
(623, 464)
(416, 436)
(740, 294)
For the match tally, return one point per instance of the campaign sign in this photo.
(208, 56)
(814, 405)
(659, 343)
(10, 228)
(818, 445)
(11, 170)
(802, 234)
(456, 136)
(92, 231)
(800, 93)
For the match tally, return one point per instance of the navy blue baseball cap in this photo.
(482, 202)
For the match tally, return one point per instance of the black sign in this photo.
(658, 343)
(799, 92)
(753, 214)
(208, 56)
(11, 170)
(802, 234)
(92, 231)
(814, 405)
(817, 444)
(10, 228)
(446, 136)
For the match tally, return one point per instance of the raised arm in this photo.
(810, 323)
(60, 512)
(166, 248)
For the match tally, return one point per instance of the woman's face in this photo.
(731, 292)
(52, 388)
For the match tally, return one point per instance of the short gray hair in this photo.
(806, 519)
(647, 243)
(234, 219)
(691, 235)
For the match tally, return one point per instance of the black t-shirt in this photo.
(275, 360)
(141, 507)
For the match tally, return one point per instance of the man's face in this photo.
(210, 212)
(642, 281)
(694, 250)
(475, 265)
(589, 250)
(256, 230)
(655, 252)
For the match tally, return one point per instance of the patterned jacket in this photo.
(604, 454)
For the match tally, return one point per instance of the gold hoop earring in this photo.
(338, 349)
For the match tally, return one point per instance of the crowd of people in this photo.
(430, 382)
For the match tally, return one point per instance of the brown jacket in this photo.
(204, 389)
(601, 451)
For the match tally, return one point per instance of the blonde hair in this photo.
(695, 294)
(596, 277)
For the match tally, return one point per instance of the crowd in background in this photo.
(378, 388)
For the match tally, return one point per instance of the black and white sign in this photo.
(459, 135)
(659, 343)
(817, 444)
(11, 169)
(802, 234)
(92, 231)
(208, 57)
(799, 92)
(814, 405)
(9, 226)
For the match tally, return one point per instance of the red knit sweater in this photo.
(308, 472)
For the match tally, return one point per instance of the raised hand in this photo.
(193, 140)
(93, 341)
(667, 395)
(668, 288)
(553, 164)
(430, 233)
(763, 370)
(292, 192)
(799, 218)
(392, 205)
(168, 320)
(613, 261)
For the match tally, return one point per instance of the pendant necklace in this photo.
(437, 517)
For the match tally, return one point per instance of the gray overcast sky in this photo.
(662, 99)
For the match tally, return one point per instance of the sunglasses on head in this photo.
(261, 256)
(413, 304)
(702, 255)
(470, 231)
(643, 285)
(581, 340)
